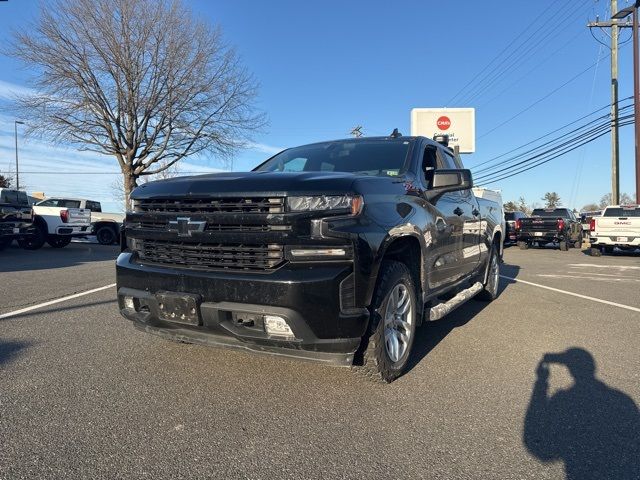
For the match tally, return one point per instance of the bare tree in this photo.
(625, 199)
(141, 80)
(5, 181)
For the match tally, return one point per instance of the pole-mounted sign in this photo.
(458, 123)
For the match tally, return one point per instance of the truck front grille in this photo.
(212, 226)
(212, 205)
(205, 256)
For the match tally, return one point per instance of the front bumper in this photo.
(307, 296)
(73, 230)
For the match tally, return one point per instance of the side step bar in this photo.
(440, 310)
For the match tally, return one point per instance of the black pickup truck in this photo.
(546, 225)
(333, 251)
(15, 217)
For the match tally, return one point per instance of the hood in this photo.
(249, 184)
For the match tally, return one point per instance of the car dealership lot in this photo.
(85, 395)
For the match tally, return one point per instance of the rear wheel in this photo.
(58, 241)
(490, 290)
(35, 241)
(564, 246)
(387, 349)
(106, 236)
(523, 245)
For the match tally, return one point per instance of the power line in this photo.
(569, 147)
(603, 120)
(522, 32)
(520, 54)
(578, 75)
(547, 134)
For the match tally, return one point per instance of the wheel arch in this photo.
(409, 250)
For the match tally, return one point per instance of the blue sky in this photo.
(325, 67)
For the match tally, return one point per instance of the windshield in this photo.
(556, 213)
(383, 157)
(622, 212)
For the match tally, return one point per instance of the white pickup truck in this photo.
(58, 220)
(618, 226)
(105, 226)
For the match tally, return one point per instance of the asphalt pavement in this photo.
(85, 395)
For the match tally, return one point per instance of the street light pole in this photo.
(15, 129)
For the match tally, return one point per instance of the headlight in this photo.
(348, 203)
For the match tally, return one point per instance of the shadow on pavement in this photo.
(17, 260)
(8, 350)
(430, 334)
(591, 427)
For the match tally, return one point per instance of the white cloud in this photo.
(9, 90)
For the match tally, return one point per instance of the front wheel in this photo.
(58, 241)
(387, 349)
(490, 290)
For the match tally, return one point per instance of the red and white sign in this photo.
(458, 123)
(443, 123)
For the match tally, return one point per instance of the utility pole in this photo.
(15, 131)
(625, 12)
(615, 142)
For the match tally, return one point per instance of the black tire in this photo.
(490, 290)
(523, 245)
(5, 242)
(35, 241)
(106, 235)
(58, 241)
(595, 252)
(377, 363)
(564, 246)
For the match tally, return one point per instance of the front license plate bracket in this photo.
(179, 307)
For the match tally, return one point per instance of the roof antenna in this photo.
(395, 133)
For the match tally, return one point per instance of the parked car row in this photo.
(617, 226)
(55, 221)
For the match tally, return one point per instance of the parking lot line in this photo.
(586, 297)
(57, 300)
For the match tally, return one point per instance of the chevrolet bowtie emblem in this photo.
(185, 227)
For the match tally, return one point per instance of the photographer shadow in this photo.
(591, 427)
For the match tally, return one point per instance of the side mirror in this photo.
(449, 180)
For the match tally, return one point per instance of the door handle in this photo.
(475, 212)
(458, 211)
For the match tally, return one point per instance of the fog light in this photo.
(128, 303)
(275, 325)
